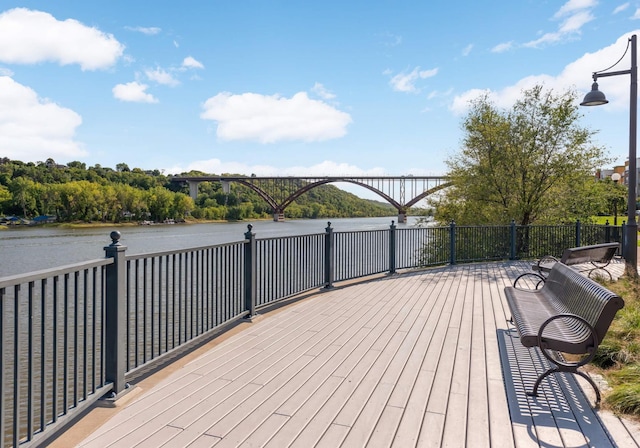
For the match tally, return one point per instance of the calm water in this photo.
(31, 249)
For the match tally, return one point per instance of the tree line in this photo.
(75, 192)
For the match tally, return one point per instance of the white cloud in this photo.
(439, 94)
(133, 92)
(636, 15)
(190, 62)
(576, 75)
(325, 168)
(621, 8)
(406, 82)
(501, 48)
(30, 37)
(161, 77)
(34, 129)
(270, 119)
(322, 91)
(149, 31)
(5, 72)
(572, 6)
(467, 50)
(575, 22)
(574, 15)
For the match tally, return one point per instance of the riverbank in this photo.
(97, 225)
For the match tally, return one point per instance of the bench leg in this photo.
(534, 392)
(591, 271)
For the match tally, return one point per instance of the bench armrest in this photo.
(590, 350)
(539, 279)
(546, 260)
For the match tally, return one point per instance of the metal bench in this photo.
(570, 314)
(599, 256)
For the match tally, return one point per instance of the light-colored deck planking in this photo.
(418, 359)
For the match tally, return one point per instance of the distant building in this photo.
(622, 170)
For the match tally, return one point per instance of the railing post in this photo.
(250, 269)
(607, 232)
(578, 233)
(392, 248)
(514, 235)
(452, 242)
(328, 257)
(115, 333)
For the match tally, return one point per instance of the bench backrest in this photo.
(599, 253)
(576, 294)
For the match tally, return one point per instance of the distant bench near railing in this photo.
(73, 334)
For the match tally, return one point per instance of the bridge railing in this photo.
(74, 334)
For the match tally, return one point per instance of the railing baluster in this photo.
(76, 302)
(65, 346)
(85, 326)
(54, 353)
(43, 353)
(30, 362)
(16, 366)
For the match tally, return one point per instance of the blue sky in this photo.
(291, 87)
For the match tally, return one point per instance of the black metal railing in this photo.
(77, 333)
(52, 348)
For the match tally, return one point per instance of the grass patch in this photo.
(618, 356)
(602, 220)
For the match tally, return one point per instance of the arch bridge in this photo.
(402, 192)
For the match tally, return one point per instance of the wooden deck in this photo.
(423, 359)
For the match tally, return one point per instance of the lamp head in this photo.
(595, 97)
(615, 177)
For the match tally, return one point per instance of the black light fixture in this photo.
(595, 97)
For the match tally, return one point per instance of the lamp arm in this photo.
(616, 73)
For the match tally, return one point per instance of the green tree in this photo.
(533, 163)
(24, 195)
(160, 202)
(5, 199)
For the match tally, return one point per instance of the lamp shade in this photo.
(595, 97)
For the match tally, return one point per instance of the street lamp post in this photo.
(596, 98)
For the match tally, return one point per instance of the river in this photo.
(30, 249)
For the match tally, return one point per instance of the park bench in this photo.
(598, 257)
(570, 314)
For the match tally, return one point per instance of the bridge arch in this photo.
(393, 189)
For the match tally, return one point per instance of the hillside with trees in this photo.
(77, 193)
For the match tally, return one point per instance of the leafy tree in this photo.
(533, 163)
(24, 195)
(5, 197)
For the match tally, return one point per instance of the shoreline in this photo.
(88, 225)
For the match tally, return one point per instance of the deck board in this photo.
(419, 359)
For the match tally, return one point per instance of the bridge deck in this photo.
(422, 359)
